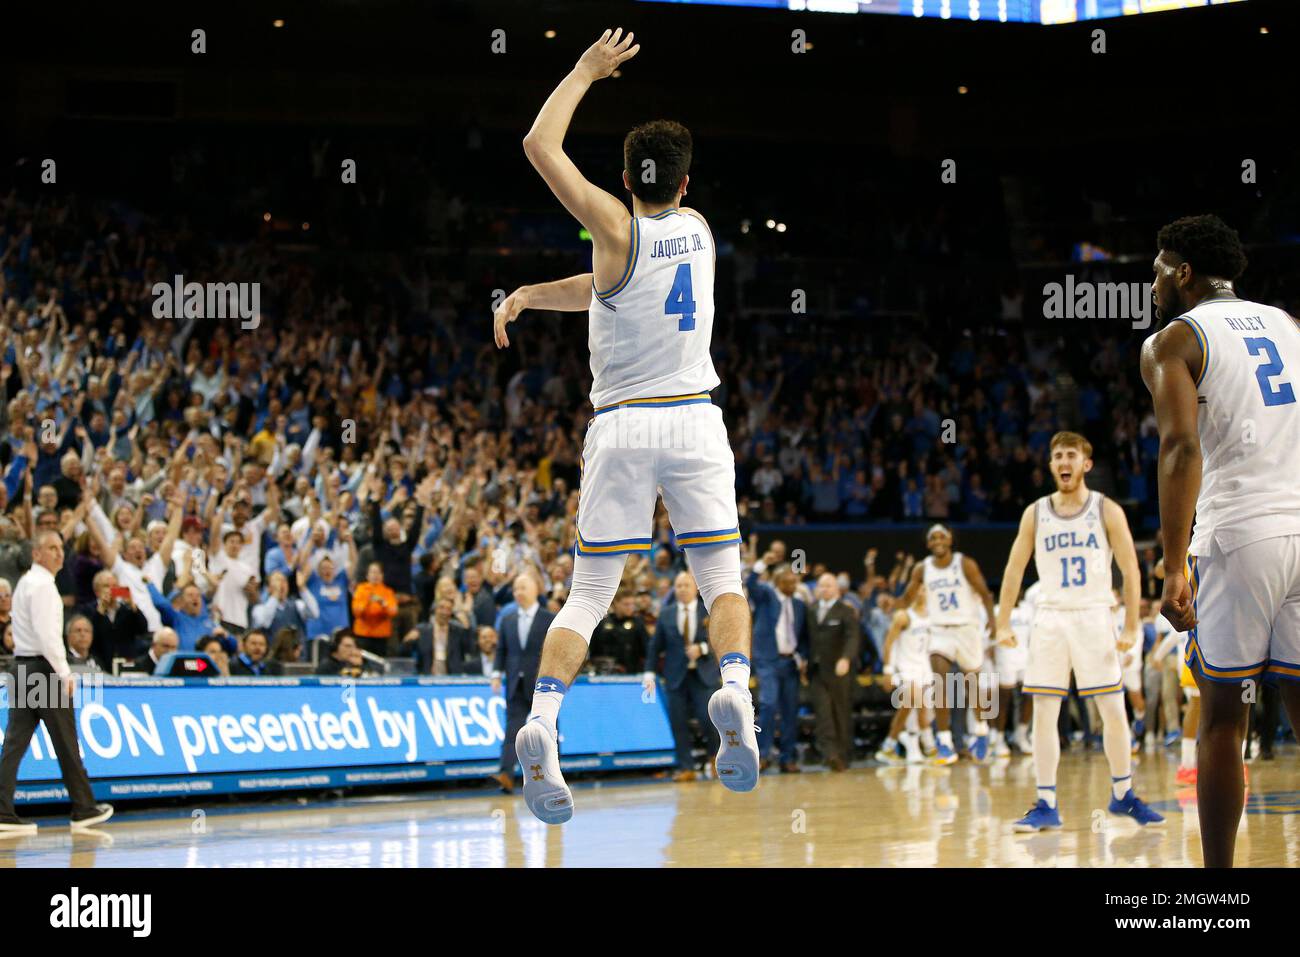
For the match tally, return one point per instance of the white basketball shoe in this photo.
(545, 792)
(732, 711)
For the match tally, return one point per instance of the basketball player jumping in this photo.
(654, 433)
(1222, 375)
(1071, 534)
(952, 581)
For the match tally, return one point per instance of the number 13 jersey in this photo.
(1073, 556)
(649, 334)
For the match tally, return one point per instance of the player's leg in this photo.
(941, 666)
(1220, 781)
(1022, 739)
(1191, 720)
(887, 753)
(616, 504)
(696, 475)
(1047, 679)
(1047, 755)
(1239, 600)
(595, 579)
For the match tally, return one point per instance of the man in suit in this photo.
(780, 651)
(119, 628)
(519, 652)
(440, 644)
(481, 660)
(833, 639)
(165, 641)
(691, 672)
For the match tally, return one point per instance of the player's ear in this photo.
(1087, 466)
(681, 190)
(627, 183)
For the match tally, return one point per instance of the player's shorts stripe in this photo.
(633, 249)
(1102, 689)
(1044, 689)
(1196, 662)
(1204, 342)
(718, 537)
(620, 547)
(1284, 669)
(658, 402)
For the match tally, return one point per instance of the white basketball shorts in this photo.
(962, 644)
(1009, 663)
(1081, 640)
(1247, 604)
(675, 447)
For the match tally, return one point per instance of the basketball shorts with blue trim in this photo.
(1081, 640)
(1247, 604)
(675, 447)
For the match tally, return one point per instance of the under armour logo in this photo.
(546, 687)
(731, 739)
(537, 771)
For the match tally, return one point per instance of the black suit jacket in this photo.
(459, 640)
(835, 637)
(518, 664)
(119, 638)
(667, 640)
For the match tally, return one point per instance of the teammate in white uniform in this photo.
(907, 662)
(1071, 533)
(655, 432)
(1009, 662)
(951, 583)
(1223, 376)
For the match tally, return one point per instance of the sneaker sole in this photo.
(1034, 828)
(91, 821)
(737, 764)
(14, 830)
(550, 804)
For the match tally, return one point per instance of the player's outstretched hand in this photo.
(604, 56)
(1176, 601)
(506, 313)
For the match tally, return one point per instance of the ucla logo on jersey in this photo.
(1069, 540)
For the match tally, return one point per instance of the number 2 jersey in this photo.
(649, 333)
(1249, 423)
(1073, 556)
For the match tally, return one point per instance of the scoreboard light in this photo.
(1002, 11)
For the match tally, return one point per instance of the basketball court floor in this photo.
(866, 817)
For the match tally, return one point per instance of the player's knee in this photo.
(717, 572)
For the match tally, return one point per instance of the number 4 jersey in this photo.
(1249, 423)
(650, 332)
(1072, 554)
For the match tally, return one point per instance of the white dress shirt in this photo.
(525, 622)
(38, 619)
(786, 643)
(823, 606)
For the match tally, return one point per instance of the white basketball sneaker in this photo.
(545, 792)
(732, 713)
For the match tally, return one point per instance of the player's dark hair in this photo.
(1208, 244)
(667, 144)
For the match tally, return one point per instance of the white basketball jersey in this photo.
(1249, 423)
(948, 596)
(1072, 556)
(649, 334)
(914, 642)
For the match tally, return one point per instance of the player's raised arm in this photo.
(562, 295)
(603, 214)
(1126, 556)
(1014, 575)
(1167, 361)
